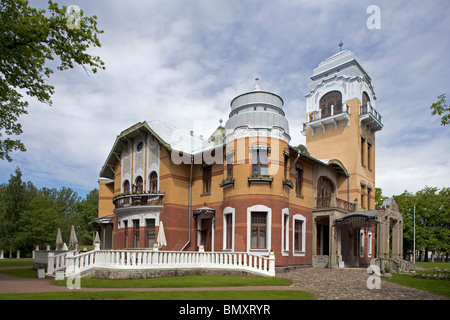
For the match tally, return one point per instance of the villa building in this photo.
(245, 188)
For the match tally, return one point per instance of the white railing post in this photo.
(271, 270)
(50, 263)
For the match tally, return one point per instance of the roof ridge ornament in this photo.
(340, 45)
(257, 88)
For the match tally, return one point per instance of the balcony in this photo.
(332, 202)
(332, 115)
(370, 118)
(138, 199)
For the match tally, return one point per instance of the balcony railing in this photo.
(333, 202)
(330, 115)
(368, 109)
(138, 199)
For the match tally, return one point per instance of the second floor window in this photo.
(139, 185)
(153, 178)
(207, 173)
(332, 99)
(259, 161)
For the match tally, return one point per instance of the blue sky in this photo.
(184, 61)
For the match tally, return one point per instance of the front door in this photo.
(205, 233)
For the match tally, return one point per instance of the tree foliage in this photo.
(441, 108)
(432, 219)
(31, 216)
(29, 39)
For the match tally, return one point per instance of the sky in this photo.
(183, 61)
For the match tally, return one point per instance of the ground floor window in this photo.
(150, 232)
(299, 231)
(259, 230)
(136, 233)
(259, 219)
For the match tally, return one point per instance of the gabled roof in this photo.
(171, 137)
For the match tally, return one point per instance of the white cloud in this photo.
(180, 61)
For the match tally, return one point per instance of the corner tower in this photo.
(341, 121)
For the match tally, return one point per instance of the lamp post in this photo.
(414, 236)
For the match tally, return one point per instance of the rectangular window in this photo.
(361, 243)
(259, 161)
(369, 147)
(298, 180)
(230, 162)
(363, 140)
(136, 233)
(229, 231)
(286, 166)
(298, 235)
(125, 228)
(286, 231)
(368, 197)
(150, 224)
(207, 173)
(259, 230)
(369, 245)
(362, 197)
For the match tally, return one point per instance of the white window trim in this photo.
(303, 219)
(369, 245)
(259, 208)
(285, 246)
(228, 210)
(361, 244)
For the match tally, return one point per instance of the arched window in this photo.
(126, 186)
(153, 178)
(365, 101)
(325, 189)
(365, 98)
(332, 98)
(139, 184)
(126, 190)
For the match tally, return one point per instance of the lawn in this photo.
(166, 295)
(182, 282)
(441, 287)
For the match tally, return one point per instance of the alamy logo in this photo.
(74, 19)
(374, 20)
(374, 281)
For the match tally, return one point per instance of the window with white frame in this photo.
(228, 228)
(285, 235)
(259, 225)
(361, 243)
(369, 244)
(298, 234)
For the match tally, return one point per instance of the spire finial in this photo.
(257, 88)
(340, 45)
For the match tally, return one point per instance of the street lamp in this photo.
(414, 236)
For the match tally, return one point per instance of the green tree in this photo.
(12, 203)
(431, 219)
(379, 198)
(29, 39)
(441, 108)
(87, 210)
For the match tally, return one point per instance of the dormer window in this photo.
(331, 103)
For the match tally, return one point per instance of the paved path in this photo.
(351, 284)
(329, 284)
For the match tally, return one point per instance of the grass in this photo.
(182, 282)
(441, 287)
(16, 262)
(166, 295)
(23, 273)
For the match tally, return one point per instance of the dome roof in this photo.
(257, 110)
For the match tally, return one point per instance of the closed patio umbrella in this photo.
(59, 241)
(161, 240)
(73, 241)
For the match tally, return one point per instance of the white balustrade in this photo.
(147, 259)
